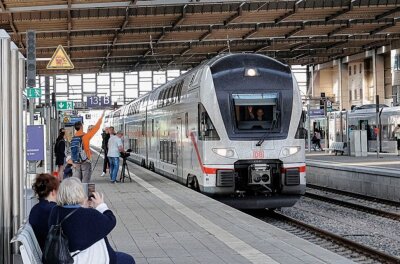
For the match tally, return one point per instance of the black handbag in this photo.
(56, 250)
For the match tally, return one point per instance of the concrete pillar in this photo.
(380, 76)
(395, 66)
(344, 83)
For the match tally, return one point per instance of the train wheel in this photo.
(192, 183)
(196, 185)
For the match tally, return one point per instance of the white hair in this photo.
(71, 192)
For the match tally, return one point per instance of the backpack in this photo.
(56, 250)
(78, 154)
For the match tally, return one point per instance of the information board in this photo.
(96, 101)
(71, 120)
(34, 142)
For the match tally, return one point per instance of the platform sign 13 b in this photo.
(98, 101)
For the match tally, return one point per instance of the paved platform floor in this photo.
(387, 161)
(161, 221)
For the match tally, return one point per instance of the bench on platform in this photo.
(30, 249)
(338, 147)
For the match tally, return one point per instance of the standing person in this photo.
(396, 133)
(59, 152)
(318, 139)
(45, 188)
(115, 147)
(104, 145)
(83, 169)
(87, 228)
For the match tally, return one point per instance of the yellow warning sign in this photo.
(60, 60)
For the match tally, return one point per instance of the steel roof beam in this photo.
(121, 29)
(291, 33)
(15, 31)
(181, 18)
(252, 32)
(266, 45)
(207, 34)
(187, 49)
(341, 12)
(2, 6)
(299, 46)
(337, 30)
(162, 35)
(288, 14)
(238, 14)
(387, 13)
(377, 30)
(336, 44)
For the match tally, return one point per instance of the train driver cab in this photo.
(256, 111)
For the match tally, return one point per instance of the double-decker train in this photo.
(227, 128)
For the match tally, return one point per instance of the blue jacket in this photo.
(85, 227)
(38, 218)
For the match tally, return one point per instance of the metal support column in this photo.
(49, 166)
(308, 126)
(15, 153)
(340, 68)
(21, 136)
(5, 137)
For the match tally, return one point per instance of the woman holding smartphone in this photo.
(87, 228)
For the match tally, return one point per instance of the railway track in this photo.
(350, 249)
(352, 201)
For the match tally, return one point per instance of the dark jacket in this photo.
(38, 219)
(104, 143)
(85, 227)
(59, 151)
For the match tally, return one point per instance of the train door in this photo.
(179, 150)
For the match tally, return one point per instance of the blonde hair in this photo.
(71, 192)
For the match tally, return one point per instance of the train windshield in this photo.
(257, 111)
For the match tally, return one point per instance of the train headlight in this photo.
(289, 151)
(225, 152)
(251, 72)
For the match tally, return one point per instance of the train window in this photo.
(355, 68)
(360, 67)
(187, 125)
(173, 152)
(349, 70)
(152, 127)
(179, 92)
(206, 127)
(161, 98)
(143, 127)
(257, 111)
(166, 149)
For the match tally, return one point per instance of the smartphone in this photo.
(90, 190)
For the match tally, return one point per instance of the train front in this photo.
(249, 125)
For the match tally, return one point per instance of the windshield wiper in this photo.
(259, 143)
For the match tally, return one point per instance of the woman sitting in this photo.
(45, 187)
(87, 228)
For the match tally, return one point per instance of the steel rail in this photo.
(362, 249)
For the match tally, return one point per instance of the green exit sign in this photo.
(65, 105)
(34, 92)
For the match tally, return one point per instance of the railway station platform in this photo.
(373, 176)
(161, 221)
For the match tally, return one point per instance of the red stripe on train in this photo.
(204, 169)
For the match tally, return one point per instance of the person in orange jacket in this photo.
(83, 171)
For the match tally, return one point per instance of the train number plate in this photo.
(258, 154)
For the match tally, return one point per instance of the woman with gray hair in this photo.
(87, 228)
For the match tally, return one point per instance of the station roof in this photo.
(120, 35)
